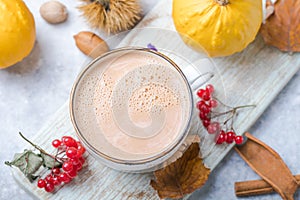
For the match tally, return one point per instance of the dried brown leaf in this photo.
(182, 177)
(282, 29)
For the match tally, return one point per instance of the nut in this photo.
(90, 44)
(54, 12)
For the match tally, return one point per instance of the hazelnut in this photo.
(54, 12)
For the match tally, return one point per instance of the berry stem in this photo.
(233, 110)
(223, 113)
(245, 106)
(222, 103)
(38, 148)
(231, 126)
(227, 120)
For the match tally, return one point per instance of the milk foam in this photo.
(132, 106)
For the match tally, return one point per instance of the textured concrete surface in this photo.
(31, 91)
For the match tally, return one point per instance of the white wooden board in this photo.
(254, 76)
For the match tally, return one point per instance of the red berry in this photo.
(78, 166)
(206, 95)
(80, 149)
(41, 183)
(71, 152)
(206, 123)
(55, 170)
(56, 143)
(49, 178)
(64, 137)
(217, 125)
(213, 127)
(63, 177)
(199, 103)
(200, 93)
(230, 137)
(67, 166)
(204, 108)
(221, 138)
(72, 173)
(82, 160)
(203, 116)
(213, 103)
(74, 161)
(238, 139)
(49, 187)
(210, 88)
(69, 141)
(56, 180)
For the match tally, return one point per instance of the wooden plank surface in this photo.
(254, 76)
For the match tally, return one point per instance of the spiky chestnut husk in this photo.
(112, 16)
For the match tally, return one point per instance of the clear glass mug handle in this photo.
(197, 75)
(197, 78)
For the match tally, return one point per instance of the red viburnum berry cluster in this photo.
(70, 155)
(206, 107)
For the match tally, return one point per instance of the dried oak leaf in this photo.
(282, 29)
(182, 177)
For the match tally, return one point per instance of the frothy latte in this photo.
(132, 105)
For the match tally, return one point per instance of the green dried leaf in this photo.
(49, 162)
(28, 162)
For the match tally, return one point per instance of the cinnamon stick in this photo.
(268, 165)
(255, 187)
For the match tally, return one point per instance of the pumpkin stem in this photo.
(222, 2)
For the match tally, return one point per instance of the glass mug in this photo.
(132, 108)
